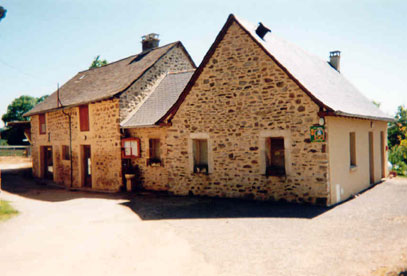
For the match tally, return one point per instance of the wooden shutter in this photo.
(84, 117)
(43, 126)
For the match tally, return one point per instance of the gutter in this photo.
(70, 136)
(355, 116)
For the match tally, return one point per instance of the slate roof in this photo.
(104, 82)
(159, 101)
(326, 86)
(318, 76)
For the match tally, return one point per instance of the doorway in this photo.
(48, 162)
(371, 158)
(87, 166)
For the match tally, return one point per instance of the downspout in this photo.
(59, 104)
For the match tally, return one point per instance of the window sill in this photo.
(275, 175)
(130, 157)
(200, 173)
(353, 168)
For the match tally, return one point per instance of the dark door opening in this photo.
(371, 158)
(87, 166)
(48, 162)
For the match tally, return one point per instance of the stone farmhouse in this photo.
(259, 118)
(75, 133)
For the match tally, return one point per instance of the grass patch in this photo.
(6, 211)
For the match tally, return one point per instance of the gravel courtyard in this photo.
(61, 232)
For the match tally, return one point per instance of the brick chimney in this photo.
(335, 60)
(150, 41)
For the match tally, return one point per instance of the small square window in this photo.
(275, 159)
(43, 125)
(65, 153)
(131, 148)
(200, 153)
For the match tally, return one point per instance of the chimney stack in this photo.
(150, 41)
(335, 60)
(262, 30)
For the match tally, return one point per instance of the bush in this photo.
(398, 158)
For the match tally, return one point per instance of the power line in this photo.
(17, 69)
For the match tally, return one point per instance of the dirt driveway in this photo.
(61, 232)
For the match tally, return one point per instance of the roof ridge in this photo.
(131, 56)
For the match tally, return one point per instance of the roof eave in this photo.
(141, 126)
(356, 116)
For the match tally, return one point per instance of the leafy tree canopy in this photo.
(97, 62)
(19, 106)
(15, 111)
(397, 135)
(3, 12)
(397, 129)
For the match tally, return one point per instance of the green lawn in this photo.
(6, 211)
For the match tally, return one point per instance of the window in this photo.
(200, 154)
(43, 125)
(65, 153)
(131, 148)
(155, 153)
(84, 117)
(352, 149)
(275, 160)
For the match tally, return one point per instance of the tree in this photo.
(15, 112)
(19, 106)
(397, 136)
(3, 12)
(96, 63)
(395, 132)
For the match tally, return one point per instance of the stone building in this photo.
(261, 118)
(75, 133)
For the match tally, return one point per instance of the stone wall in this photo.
(241, 97)
(103, 137)
(174, 61)
(151, 177)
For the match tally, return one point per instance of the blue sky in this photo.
(46, 42)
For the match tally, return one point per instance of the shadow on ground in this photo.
(158, 206)
(21, 182)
